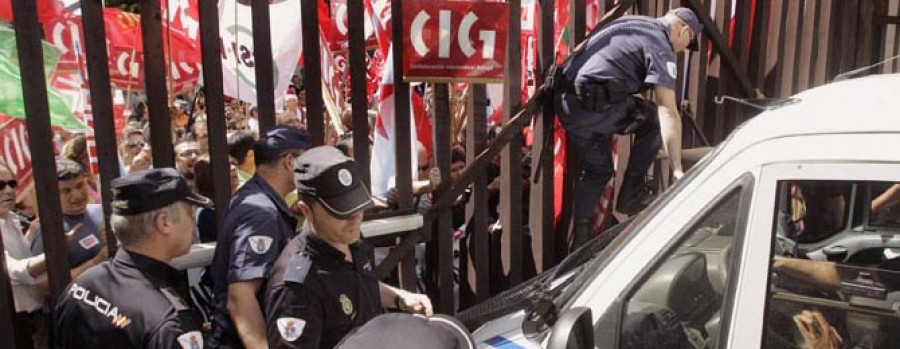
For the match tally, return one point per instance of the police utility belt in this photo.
(595, 95)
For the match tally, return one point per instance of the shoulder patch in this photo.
(672, 69)
(290, 328)
(297, 268)
(260, 244)
(177, 302)
(191, 340)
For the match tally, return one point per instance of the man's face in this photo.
(333, 229)
(186, 154)
(456, 170)
(183, 230)
(290, 104)
(134, 144)
(424, 165)
(8, 193)
(681, 36)
(73, 194)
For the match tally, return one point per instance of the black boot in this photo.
(634, 196)
(581, 233)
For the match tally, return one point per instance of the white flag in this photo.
(384, 161)
(236, 33)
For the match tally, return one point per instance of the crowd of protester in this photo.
(83, 216)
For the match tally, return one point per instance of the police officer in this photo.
(136, 300)
(596, 99)
(323, 286)
(257, 226)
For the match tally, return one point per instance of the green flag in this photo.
(12, 102)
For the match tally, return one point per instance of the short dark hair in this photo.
(203, 176)
(264, 155)
(239, 144)
(67, 169)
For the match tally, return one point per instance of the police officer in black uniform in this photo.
(322, 285)
(136, 300)
(596, 99)
(257, 226)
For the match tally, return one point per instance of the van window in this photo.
(834, 286)
(680, 304)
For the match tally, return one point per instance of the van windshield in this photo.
(578, 280)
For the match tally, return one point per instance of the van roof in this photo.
(865, 105)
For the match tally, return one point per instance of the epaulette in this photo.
(297, 268)
(177, 302)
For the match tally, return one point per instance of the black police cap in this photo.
(285, 137)
(399, 330)
(333, 179)
(148, 190)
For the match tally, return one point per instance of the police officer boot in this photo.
(634, 196)
(581, 233)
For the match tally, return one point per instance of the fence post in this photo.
(358, 91)
(402, 134)
(511, 214)
(312, 72)
(476, 133)
(155, 82)
(541, 221)
(215, 106)
(101, 105)
(262, 55)
(444, 232)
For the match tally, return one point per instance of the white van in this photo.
(812, 185)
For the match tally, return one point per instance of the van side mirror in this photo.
(573, 330)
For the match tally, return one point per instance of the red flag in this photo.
(48, 10)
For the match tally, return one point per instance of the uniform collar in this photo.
(271, 193)
(319, 249)
(159, 270)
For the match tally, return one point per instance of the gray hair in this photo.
(132, 230)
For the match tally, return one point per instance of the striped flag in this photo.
(384, 162)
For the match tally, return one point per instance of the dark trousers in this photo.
(595, 156)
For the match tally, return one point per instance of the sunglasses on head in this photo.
(12, 183)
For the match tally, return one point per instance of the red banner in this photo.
(454, 41)
(14, 151)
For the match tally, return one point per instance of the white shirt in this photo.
(26, 294)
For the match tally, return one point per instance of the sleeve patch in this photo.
(260, 244)
(672, 69)
(290, 328)
(191, 340)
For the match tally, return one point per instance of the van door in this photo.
(822, 266)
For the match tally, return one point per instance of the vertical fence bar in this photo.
(789, 49)
(444, 234)
(541, 221)
(759, 45)
(511, 167)
(312, 72)
(40, 141)
(723, 20)
(358, 92)
(403, 154)
(101, 104)
(264, 66)
(215, 106)
(823, 44)
(807, 42)
(155, 83)
(866, 28)
(476, 134)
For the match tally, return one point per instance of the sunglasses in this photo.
(187, 153)
(12, 183)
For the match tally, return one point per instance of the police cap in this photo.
(688, 17)
(148, 190)
(285, 138)
(399, 330)
(333, 179)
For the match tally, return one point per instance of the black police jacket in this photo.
(131, 301)
(315, 297)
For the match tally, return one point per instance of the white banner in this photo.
(236, 33)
